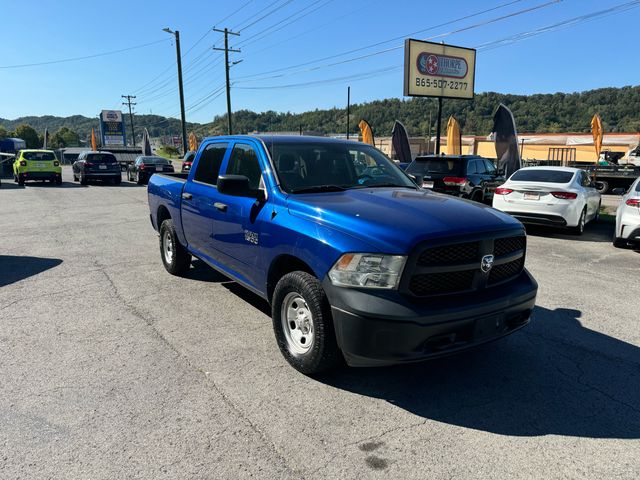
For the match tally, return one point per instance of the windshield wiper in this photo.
(375, 185)
(319, 188)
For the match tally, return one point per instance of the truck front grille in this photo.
(455, 266)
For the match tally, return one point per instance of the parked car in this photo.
(36, 165)
(362, 266)
(554, 196)
(96, 166)
(187, 161)
(466, 176)
(628, 217)
(145, 166)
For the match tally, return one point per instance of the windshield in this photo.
(545, 176)
(322, 166)
(38, 156)
(444, 165)
(154, 160)
(101, 158)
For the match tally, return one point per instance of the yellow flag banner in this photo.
(193, 142)
(94, 145)
(367, 132)
(454, 138)
(597, 132)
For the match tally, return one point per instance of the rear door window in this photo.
(101, 158)
(209, 164)
(541, 175)
(480, 166)
(491, 169)
(435, 165)
(38, 156)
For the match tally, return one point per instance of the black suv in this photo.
(466, 176)
(96, 166)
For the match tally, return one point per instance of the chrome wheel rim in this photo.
(167, 247)
(297, 323)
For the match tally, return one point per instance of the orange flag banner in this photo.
(94, 145)
(597, 132)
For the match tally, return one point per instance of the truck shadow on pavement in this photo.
(16, 268)
(594, 232)
(204, 273)
(554, 377)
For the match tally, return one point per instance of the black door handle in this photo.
(187, 196)
(220, 206)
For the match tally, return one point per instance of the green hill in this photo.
(558, 112)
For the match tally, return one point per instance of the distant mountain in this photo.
(558, 112)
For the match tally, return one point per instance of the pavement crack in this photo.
(225, 398)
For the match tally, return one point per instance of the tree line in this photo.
(619, 109)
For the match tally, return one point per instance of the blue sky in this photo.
(590, 54)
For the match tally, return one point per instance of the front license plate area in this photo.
(488, 326)
(531, 196)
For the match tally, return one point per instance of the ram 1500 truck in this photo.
(356, 261)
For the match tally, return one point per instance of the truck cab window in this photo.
(244, 161)
(209, 163)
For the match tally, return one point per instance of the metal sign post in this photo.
(438, 70)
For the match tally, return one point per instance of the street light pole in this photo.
(179, 59)
(227, 65)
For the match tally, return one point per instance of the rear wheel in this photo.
(303, 325)
(117, 180)
(59, 180)
(477, 196)
(83, 179)
(20, 180)
(175, 257)
(579, 229)
(138, 178)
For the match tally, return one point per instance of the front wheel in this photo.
(303, 325)
(175, 257)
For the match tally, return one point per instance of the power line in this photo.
(238, 27)
(85, 57)
(483, 47)
(266, 75)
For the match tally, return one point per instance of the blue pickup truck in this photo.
(357, 262)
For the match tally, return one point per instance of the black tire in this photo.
(323, 354)
(579, 229)
(59, 180)
(139, 179)
(602, 187)
(477, 196)
(179, 260)
(619, 242)
(21, 181)
(597, 217)
(83, 179)
(117, 180)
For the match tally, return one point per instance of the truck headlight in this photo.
(368, 270)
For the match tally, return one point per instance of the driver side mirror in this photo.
(236, 185)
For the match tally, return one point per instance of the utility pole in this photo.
(129, 103)
(348, 109)
(226, 50)
(176, 34)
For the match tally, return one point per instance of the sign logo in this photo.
(112, 116)
(442, 65)
(487, 263)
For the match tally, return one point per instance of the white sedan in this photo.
(628, 217)
(555, 196)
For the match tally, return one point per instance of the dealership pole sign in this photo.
(438, 70)
(112, 128)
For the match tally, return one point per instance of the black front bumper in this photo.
(375, 327)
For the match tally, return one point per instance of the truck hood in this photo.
(393, 220)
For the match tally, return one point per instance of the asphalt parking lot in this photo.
(112, 368)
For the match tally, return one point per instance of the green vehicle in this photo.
(36, 165)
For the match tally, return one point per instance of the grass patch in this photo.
(169, 153)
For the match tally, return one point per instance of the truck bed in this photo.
(165, 189)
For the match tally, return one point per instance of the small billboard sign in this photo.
(112, 128)
(438, 70)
